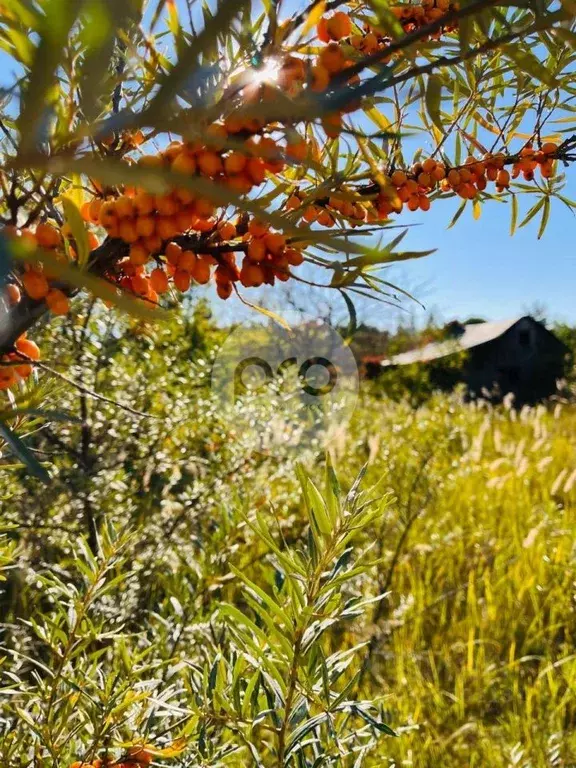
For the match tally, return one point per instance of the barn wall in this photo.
(526, 360)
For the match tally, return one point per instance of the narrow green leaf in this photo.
(513, 214)
(527, 62)
(433, 100)
(545, 217)
(20, 450)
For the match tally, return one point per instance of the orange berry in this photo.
(234, 123)
(94, 210)
(424, 203)
(166, 205)
(209, 163)
(7, 376)
(85, 211)
(182, 280)
(257, 228)
(439, 173)
(332, 58)
(425, 180)
(240, 183)
(429, 165)
(13, 294)
(57, 301)
(332, 125)
(256, 250)
(124, 207)
(227, 230)
(35, 285)
(293, 203)
(140, 754)
(186, 218)
(173, 253)
(47, 236)
(184, 163)
(28, 348)
(413, 203)
(549, 148)
(204, 208)
(152, 244)
(297, 150)
(399, 178)
(107, 215)
(201, 272)
(145, 226)
(224, 290)
(217, 134)
(166, 227)
(325, 219)
(139, 254)
(256, 169)
(369, 43)
(503, 178)
(144, 203)
(205, 225)
(311, 213)
(140, 285)
(322, 30)
(187, 261)
(184, 196)
(294, 257)
(453, 178)
(491, 173)
(339, 26)
(235, 163)
(320, 78)
(127, 230)
(275, 242)
(159, 280)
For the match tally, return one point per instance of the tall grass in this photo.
(469, 658)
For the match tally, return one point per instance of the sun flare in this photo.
(267, 73)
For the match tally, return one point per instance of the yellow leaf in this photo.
(314, 17)
(476, 209)
(267, 312)
(74, 220)
(378, 119)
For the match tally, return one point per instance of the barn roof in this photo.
(474, 335)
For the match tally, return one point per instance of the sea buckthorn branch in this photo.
(161, 242)
(450, 17)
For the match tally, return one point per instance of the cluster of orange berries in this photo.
(145, 221)
(136, 757)
(412, 17)
(268, 257)
(35, 281)
(412, 188)
(325, 212)
(530, 159)
(14, 366)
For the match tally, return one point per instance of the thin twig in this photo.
(82, 388)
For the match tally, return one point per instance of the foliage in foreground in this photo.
(221, 620)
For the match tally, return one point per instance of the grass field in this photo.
(470, 657)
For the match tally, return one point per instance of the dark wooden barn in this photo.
(519, 356)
